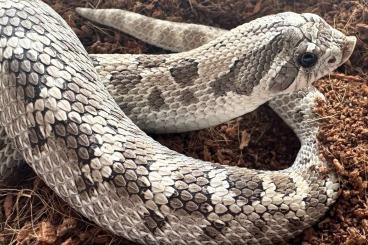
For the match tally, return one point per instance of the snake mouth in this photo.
(348, 48)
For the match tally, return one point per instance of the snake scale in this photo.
(61, 111)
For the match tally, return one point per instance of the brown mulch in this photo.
(31, 213)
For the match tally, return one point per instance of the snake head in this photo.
(314, 49)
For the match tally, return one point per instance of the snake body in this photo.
(64, 119)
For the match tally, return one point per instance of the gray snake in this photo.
(60, 111)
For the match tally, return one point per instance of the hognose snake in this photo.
(63, 119)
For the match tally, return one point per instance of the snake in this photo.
(61, 112)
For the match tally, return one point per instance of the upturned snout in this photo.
(348, 48)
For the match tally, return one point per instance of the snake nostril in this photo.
(332, 60)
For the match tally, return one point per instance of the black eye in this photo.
(307, 60)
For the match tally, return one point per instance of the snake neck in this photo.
(196, 89)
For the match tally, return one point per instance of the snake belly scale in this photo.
(62, 117)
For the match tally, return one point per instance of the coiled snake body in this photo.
(62, 119)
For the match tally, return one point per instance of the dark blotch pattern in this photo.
(248, 70)
(224, 84)
(187, 97)
(285, 77)
(125, 80)
(127, 107)
(185, 72)
(284, 184)
(155, 99)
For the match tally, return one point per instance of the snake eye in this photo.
(307, 60)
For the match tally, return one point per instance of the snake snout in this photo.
(348, 48)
